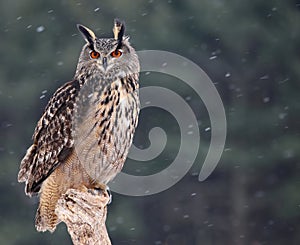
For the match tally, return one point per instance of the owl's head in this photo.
(112, 57)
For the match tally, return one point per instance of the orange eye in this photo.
(94, 54)
(116, 54)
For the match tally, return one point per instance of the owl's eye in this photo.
(94, 54)
(116, 54)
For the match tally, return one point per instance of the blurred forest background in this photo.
(250, 49)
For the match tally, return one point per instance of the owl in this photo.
(83, 137)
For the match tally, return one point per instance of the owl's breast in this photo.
(107, 130)
(123, 121)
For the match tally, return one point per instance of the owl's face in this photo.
(112, 57)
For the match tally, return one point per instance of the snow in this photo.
(227, 74)
(207, 129)
(40, 28)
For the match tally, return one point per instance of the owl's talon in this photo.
(109, 195)
(102, 188)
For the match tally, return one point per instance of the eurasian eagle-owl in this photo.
(85, 132)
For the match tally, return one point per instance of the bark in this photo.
(84, 212)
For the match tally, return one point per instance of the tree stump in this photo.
(84, 212)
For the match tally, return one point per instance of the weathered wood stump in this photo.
(84, 212)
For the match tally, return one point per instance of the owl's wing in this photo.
(52, 138)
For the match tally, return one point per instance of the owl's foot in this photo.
(46, 219)
(47, 223)
(104, 189)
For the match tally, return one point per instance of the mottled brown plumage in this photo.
(83, 137)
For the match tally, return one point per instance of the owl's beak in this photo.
(104, 63)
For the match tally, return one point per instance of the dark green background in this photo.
(253, 195)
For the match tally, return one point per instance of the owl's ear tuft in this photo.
(119, 30)
(88, 35)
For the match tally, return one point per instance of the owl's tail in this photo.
(46, 219)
